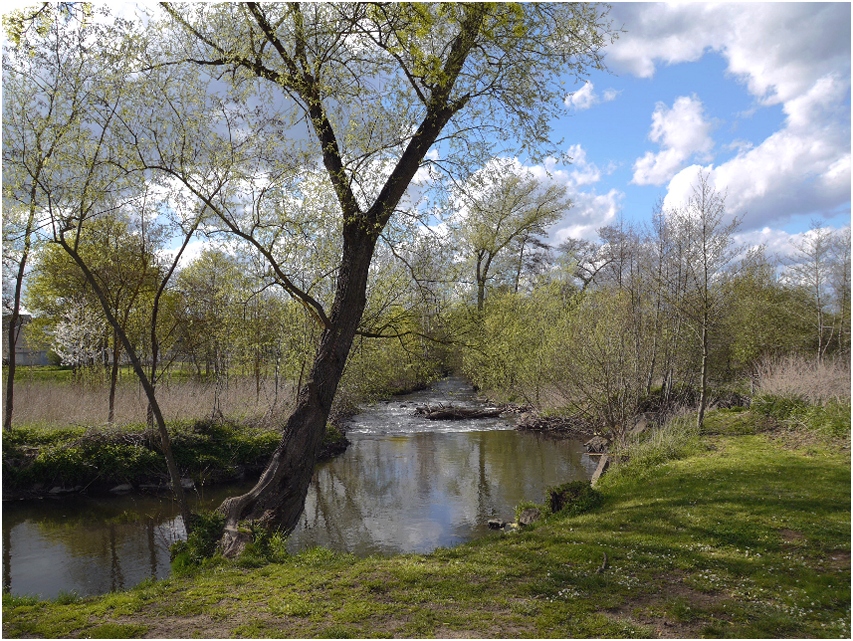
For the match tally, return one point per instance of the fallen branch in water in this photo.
(451, 413)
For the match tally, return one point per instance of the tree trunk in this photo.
(14, 320)
(278, 497)
(147, 385)
(703, 393)
(10, 373)
(113, 379)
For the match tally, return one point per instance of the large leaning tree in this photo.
(361, 93)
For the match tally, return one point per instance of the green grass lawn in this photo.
(749, 536)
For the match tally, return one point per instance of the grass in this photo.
(738, 535)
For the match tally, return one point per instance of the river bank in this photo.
(727, 540)
(42, 462)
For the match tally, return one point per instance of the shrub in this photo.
(831, 418)
(815, 382)
(575, 497)
(67, 598)
(779, 407)
(200, 545)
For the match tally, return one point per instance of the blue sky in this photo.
(755, 95)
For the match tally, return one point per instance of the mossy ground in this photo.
(747, 536)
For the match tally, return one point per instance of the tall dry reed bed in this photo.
(86, 404)
(817, 382)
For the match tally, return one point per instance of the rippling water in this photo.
(405, 484)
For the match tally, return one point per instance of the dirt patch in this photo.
(645, 609)
(791, 537)
(181, 627)
(838, 560)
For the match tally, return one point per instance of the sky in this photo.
(757, 96)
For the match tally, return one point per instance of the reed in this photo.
(63, 404)
(813, 381)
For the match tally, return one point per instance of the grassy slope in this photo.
(745, 539)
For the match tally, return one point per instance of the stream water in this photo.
(405, 484)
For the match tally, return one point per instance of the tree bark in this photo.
(16, 315)
(278, 497)
(113, 379)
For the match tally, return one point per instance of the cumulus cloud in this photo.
(682, 132)
(777, 49)
(802, 169)
(793, 54)
(590, 210)
(779, 244)
(585, 97)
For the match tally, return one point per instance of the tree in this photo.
(39, 111)
(600, 351)
(18, 235)
(761, 316)
(821, 268)
(704, 241)
(78, 335)
(502, 205)
(840, 280)
(376, 86)
(124, 261)
(79, 65)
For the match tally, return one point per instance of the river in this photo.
(405, 484)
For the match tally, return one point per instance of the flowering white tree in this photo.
(78, 337)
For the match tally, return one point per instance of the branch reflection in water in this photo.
(406, 484)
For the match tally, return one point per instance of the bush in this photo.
(200, 545)
(778, 406)
(575, 497)
(796, 377)
(831, 418)
(267, 546)
(205, 450)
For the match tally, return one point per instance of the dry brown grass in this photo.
(87, 404)
(796, 376)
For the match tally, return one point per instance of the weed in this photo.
(67, 598)
(17, 601)
(675, 439)
(796, 377)
(575, 497)
(117, 631)
(188, 556)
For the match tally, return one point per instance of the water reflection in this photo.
(91, 545)
(417, 492)
(405, 484)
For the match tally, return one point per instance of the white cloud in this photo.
(802, 169)
(610, 94)
(682, 132)
(777, 242)
(793, 54)
(585, 97)
(590, 210)
(192, 251)
(778, 49)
